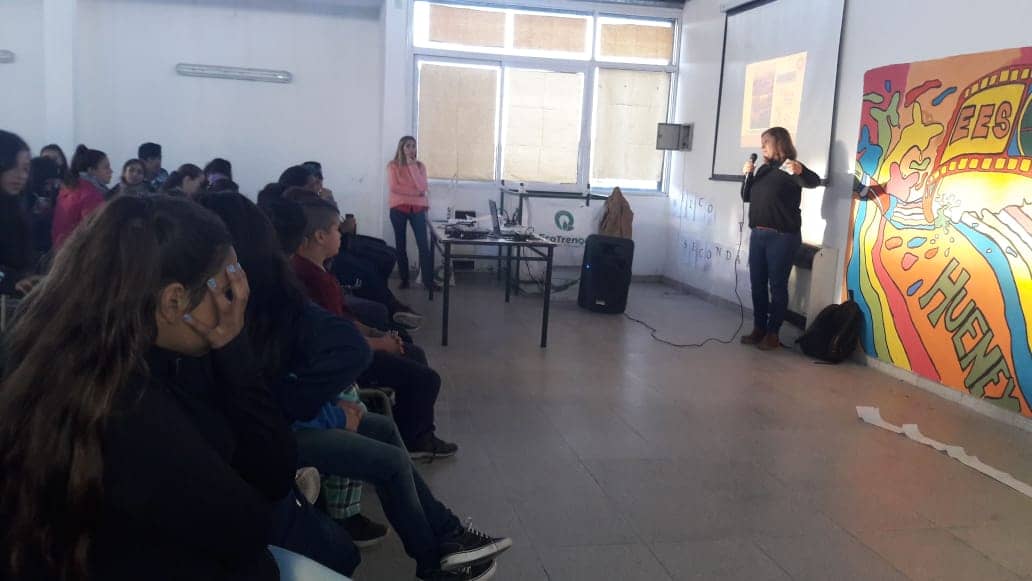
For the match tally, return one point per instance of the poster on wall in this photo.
(568, 223)
(939, 255)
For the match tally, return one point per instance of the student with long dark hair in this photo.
(309, 356)
(54, 152)
(186, 180)
(85, 187)
(774, 195)
(138, 438)
(17, 252)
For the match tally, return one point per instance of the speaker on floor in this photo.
(605, 274)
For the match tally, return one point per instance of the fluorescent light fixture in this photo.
(237, 73)
(6, 56)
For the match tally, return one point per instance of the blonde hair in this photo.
(399, 155)
(783, 147)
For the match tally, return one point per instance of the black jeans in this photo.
(400, 222)
(770, 262)
(376, 455)
(415, 388)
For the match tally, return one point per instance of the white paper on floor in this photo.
(872, 416)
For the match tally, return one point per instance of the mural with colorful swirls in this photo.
(939, 255)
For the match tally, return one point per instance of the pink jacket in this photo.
(408, 185)
(73, 206)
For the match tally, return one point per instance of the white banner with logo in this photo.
(568, 223)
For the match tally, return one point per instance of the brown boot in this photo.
(754, 337)
(769, 343)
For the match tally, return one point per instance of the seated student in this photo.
(341, 497)
(17, 252)
(153, 450)
(218, 175)
(356, 273)
(131, 182)
(84, 190)
(149, 155)
(44, 183)
(319, 188)
(185, 181)
(415, 384)
(53, 151)
(312, 353)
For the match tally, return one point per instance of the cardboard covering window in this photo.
(630, 104)
(550, 33)
(543, 126)
(467, 26)
(636, 41)
(457, 111)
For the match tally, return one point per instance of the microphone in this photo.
(748, 176)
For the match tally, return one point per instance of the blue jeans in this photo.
(375, 454)
(771, 254)
(400, 221)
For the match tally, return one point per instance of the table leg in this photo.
(508, 270)
(548, 299)
(498, 271)
(519, 258)
(445, 292)
(433, 267)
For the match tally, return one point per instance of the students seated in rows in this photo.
(312, 355)
(396, 364)
(138, 438)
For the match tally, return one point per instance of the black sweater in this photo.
(774, 197)
(194, 458)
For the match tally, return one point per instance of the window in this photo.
(542, 126)
(628, 107)
(457, 112)
(560, 98)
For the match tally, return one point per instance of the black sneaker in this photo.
(430, 446)
(364, 532)
(480, 572)
(467, 547)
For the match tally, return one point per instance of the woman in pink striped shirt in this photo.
(409, 203)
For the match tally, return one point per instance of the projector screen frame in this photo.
(730, 9)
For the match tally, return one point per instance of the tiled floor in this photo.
(611, 456)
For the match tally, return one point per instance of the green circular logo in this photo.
(564, 220)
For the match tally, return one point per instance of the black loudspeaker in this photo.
(605, 274)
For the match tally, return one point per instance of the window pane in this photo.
(550, 33)
(467, 26)
(543, 126)
(622, 40)
(458, 106)
(629, 104)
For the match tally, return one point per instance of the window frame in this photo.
(587, 67)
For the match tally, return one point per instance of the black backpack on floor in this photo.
(835, 333)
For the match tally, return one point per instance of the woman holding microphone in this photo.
(773, 194)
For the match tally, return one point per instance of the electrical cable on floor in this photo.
(741, 306)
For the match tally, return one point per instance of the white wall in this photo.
(128, 92)
(876, 33)
(21, 82)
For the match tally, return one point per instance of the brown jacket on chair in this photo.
(617, 216)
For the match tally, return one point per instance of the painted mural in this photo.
(940, 250)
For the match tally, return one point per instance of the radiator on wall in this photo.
(811, 286)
